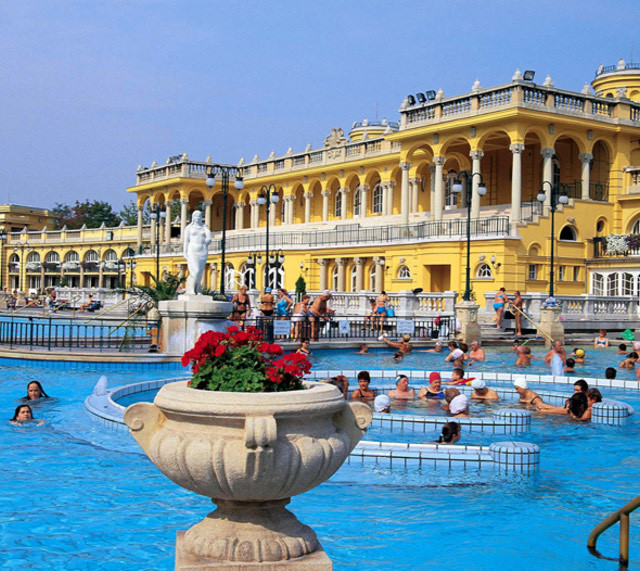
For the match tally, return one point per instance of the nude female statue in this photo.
(197, 238)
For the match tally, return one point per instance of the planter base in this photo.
(316, 561)
(250, 532)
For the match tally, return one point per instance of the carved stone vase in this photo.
(248, 452)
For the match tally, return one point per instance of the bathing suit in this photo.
(381, 310)
(299, 316)
(598, 342)
(267, 312)
(281, 308)
(431, 395)
(534, 399)
(498, 305)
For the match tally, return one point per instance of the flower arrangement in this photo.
(240, 361)
(622, 243)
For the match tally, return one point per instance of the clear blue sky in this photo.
(91, 89)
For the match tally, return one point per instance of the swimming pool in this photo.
(85, 497)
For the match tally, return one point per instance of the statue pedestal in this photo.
(467, 313)
(188, 317)
(551, 325)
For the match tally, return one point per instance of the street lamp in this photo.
(3, 237)
(158, 213)
(482, 190)
(254, 260)
(556, 198)
(23, 264)
(224, 171)
(132, 265)
(268, 195)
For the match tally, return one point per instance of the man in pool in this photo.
(556, 349)
(403, 346)
(402, 390)
(482, 392)
(476, 353)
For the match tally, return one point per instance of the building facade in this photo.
(377, 208)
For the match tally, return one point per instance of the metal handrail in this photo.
(622, 516)
(511, 307)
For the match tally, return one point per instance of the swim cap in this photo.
(579, 353)
(434, 377)
(478, 384)
(267, 289)
(457, 353)
(459, 404)
(400, 377)
(521, 384)
(381, 402)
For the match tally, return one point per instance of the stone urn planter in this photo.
(248, 452)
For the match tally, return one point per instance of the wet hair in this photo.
(578, 404)
(464, 347)
(304, 340)
(459, 371)
(622, 346)
(452, 344)
(19, 408)
(610, 373)
(571, 363)
(44, 395)
(594, 394)
(449, 431)
(400, 377)
(450, 394)
(584, 386)
(338, 383)
(632, 355)
(526, 350)
(365, 376)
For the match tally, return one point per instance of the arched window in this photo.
(91, 256)
(53, 258)
(128, 253)
(111, 256)
(636, 227)
(248, 273)
(33, 257)
(568, 234)
(534, 250)
(372, 277)
(628, 281)
(404, 273)
(14, 259)
(597, 282)
(450, 197)
(612, 284)
(357, 202)
(354, 281)
(276, 275)
(72, 257)
(334, 279)
(484, 272)
(376, 199)
(337, 211)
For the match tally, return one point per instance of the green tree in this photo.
(166, 289)
(129, 213)
(92, 214)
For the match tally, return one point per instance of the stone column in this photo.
(307, 207)
(359, 262)
(239, 207)
(325, 206)
(432, 189)
(379, 273)
(214, 277)
(272, 215)
(439, 188)
(100, 275)
(184, 205)
(550, 325)
(161, 229)
(547, 174)
(364, 200)
(345, 198)
(341, 263)
(404, 192)
(475, 182)
(467, 313)
(206, 205)
(414, 193)
(387, 197)
(167, 226)
(516, 184)
(255, 213)
(154, 221)
(323, 263)
(139, 231)
(585, 159)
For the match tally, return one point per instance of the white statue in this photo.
(197, 238)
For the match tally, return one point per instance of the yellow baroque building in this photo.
(378, 208)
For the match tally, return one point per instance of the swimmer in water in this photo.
(571, 363)
(459, 407)
(363, 391)
(482, 392)
(450, 433)
(23, 414)
(434, 390)
(34, 392)
(576, 407)
(402, 390)
(524, 356)
(527, 396)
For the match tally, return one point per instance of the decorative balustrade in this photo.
(570, 103)
(496, 98)
(534, 96)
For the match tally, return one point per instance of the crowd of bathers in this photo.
(23, 413)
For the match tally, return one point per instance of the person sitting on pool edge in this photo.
(34, 392)
(576, 407)
(363, 391)
(482, 392)
(22, 414)
(403, 346)
(382, 403)
(527, 396)
(450, 433)
(402, 390)
(459, 407)
(434, 390)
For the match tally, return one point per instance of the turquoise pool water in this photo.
(79, 496)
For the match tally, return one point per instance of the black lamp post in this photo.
(482, 190)
(556, 198)
(3, 237)
(158, 213)
(268, 195)
(132, 265)
(225, 171)
(254, 260)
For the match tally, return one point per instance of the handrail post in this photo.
(624, 540)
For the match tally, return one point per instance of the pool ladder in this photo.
(622, 516)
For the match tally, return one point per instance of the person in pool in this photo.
(363, 391)
(527, 396)
(403, 346)
(436, 349)
(402, 390)
(364, 349)
(450, 433)
(382, 404)
(630, 361)
(22, 414)
(571, 363)
(622, 349)
(304, 347)
(556, 349)
(34, 392)
(601, 341)
(482, 392)
(459, 407)
(593, 396)
(576, 407)
(579, 355)
(524, 356)
(449, 395)
(476, 353)
(434, 390)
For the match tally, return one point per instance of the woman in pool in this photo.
(459, 407)
(22, 414)
(304, 347)
(34, 392)
(601, 341)
(382, 403)
(593, 396)
(527, 396)
(402, 390)
(363, 391)
(450, 433)
(576, 407)
(434, 390)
